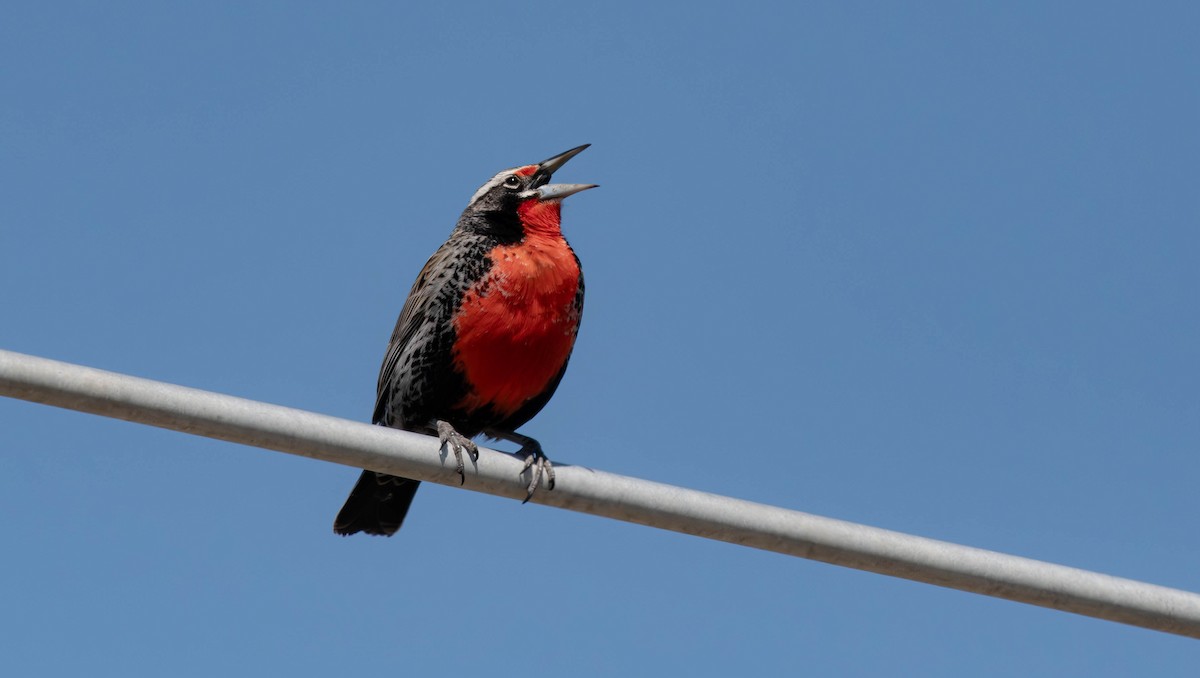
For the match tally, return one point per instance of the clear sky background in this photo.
(932, 268)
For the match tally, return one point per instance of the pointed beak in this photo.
(547, 168)
(550, 166)
(560, 191)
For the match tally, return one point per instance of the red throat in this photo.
(516, 327)
(541, 217)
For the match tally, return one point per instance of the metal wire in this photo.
(589, 491)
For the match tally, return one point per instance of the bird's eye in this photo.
(511, 181)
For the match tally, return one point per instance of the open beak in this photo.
(560, 191)
(548, 167)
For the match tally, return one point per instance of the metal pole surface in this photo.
(589, 491)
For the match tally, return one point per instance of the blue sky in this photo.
(931, 268)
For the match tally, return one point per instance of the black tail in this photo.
(376, 505)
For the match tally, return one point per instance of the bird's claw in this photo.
(457, 442)
(535, 459)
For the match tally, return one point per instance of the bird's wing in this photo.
(417, 310)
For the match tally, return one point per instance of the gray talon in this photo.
(535, 459)
(457, 442)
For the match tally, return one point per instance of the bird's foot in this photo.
(535, 459)
(457, 442)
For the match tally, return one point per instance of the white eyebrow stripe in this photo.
(491, 183)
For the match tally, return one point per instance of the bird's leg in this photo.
(534, 458)
(457, 442)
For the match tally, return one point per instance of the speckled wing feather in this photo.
(418, 352)
(379, 502)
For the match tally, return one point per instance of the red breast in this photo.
(516, 326)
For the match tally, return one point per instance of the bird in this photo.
(483, 339)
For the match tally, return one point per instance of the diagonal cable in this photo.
(589, 491)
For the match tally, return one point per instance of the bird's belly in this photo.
(514, 332)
